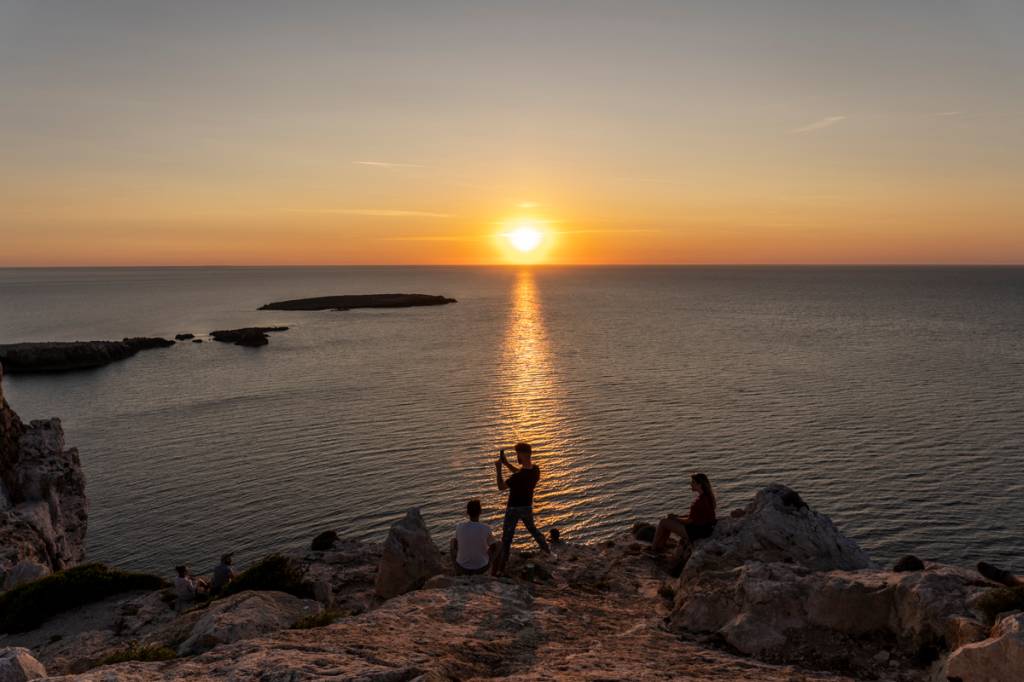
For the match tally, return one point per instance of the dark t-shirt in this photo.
(702, 511)
(521, 485)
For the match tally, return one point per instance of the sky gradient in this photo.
(769, 131)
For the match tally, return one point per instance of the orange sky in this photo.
(649, 132)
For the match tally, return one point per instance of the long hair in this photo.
(705, 488)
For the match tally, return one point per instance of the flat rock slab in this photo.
(65, 356)
(359, 301)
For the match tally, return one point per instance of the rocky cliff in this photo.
(43, 508)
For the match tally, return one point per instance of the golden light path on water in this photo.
(531, 409)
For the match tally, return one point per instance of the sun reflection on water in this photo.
(531, 406)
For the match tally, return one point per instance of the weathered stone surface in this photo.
(64, 356)
(801, 605)
(246, 615)
(777, 527)
(359, 301)
(25, 571)
(479, 628)
(409, 559)
(1000, 658)
(43, 508)
(18, 665)
(247, 336)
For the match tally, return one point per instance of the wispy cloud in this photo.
(388, 164)
(820, 124)
(429, 238)
(375, 212)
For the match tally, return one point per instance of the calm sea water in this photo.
(892, 399)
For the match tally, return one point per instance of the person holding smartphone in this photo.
(520, 486)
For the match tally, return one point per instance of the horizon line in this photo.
(518, 265)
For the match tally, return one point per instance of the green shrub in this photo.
(274, 573)
(140, 652)
(1000, 600)
(30, 605)
(317, 621)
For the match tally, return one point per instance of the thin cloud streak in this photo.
(820, 124)
(388, 164)
(375, 212)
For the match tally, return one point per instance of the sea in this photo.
(890, 398)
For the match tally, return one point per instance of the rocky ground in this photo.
(777, 593)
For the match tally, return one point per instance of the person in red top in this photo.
(699, 523)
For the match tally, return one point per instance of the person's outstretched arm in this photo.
(501, 479)
(504, 460)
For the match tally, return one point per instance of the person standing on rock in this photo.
(696, 525)
(520, 486)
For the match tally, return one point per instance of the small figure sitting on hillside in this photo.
(223, 573)
(188, 589)
(696, 525)
(473, 548)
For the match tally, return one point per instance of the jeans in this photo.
(513, 515)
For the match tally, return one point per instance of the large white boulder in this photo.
(782, 583)
(777, 526)
(18, 665)
(1000, 658)
(246, 615)
(410, 557)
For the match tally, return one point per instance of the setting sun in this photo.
(525, 238)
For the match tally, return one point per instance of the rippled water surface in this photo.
(891, 398)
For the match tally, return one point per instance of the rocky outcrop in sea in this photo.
(66, 356)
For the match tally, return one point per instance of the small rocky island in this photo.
(66, 356)
(247, 336)
(359, 301)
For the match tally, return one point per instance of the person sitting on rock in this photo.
(520, 485)
(188, 589)
(698, 524)
(473, 548)
(223, 573)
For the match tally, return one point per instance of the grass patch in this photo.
(29, 606)
(274, 573)
(317, 621)
(1000, 600)
(140, 652)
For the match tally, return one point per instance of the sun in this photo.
(525, 238)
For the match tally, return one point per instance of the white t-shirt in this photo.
(474, 540)
(185, 588)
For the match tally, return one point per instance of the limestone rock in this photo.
(999, 658)
(409, 559)
(18, 665)
(246, 615)
(25, 571)
(43, 508)
(783, 612)
(777, 526)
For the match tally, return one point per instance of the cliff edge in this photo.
(43, 507)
